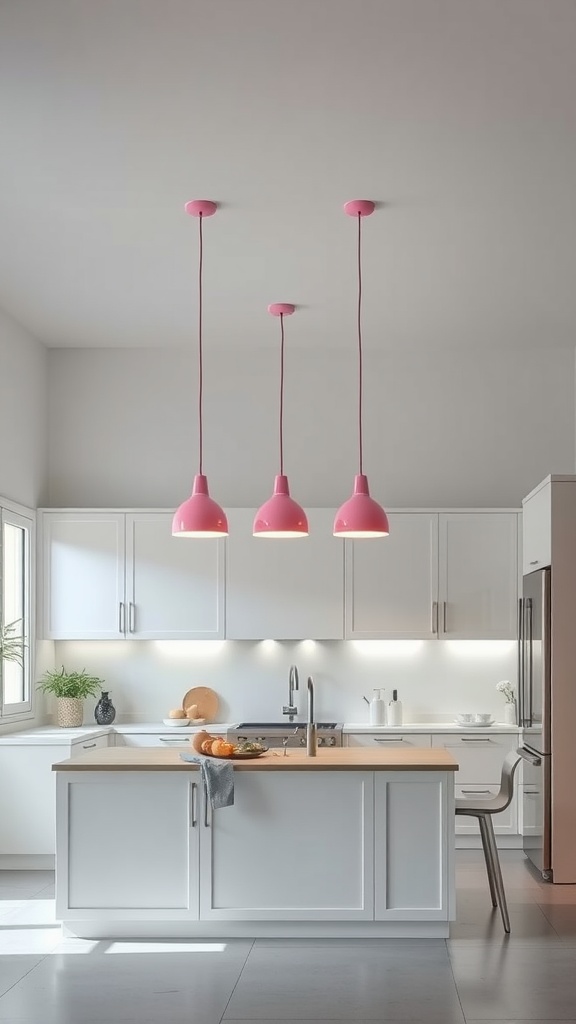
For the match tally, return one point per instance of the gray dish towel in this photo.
(218, 777)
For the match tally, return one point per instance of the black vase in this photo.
(105, 712)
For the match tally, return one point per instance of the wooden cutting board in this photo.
(206, 701)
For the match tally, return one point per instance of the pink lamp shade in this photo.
(361, 516)
(280, 517)
(199, 515)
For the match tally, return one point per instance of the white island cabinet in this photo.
(350, 843)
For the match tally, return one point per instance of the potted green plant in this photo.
(11, 643)
(70, 690)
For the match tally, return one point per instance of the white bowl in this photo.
(176, 723)
(466, 719)
(483, 719)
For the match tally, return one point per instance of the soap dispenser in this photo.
(395, 710)
(377, 708)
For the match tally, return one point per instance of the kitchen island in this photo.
(353, 842)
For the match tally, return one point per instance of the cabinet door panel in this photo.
(392, 584)
(295, 846)
(142, 826)
(284, 589)
(175, 587)
(83, 575)
(411, 830)
(478, 575)
(537, 530)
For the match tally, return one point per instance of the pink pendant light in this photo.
(199, 515)
(281, 517)
(360, 516)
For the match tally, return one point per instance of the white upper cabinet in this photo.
(284, 589)
(83, 575)
(113, 575)
(174, 585)
(478, 557)
(392, 584)
(537, 529)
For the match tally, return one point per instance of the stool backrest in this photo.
(511, 762)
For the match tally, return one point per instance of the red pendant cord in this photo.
(200, 366)
(360, 341)
(281, 394)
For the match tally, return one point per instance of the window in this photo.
(16, 626)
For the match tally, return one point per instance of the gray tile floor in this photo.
(479, 974)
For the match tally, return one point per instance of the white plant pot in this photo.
(510, 714)
(69, 712)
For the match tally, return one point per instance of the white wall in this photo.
(23, 415)
(442, 428)
(452, 428)
(435, 679)
(24, 439)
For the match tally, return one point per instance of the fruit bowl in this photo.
(176, 723)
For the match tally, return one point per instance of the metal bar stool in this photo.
(483, 810)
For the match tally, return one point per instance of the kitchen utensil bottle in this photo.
(377, 708)
(395, 710)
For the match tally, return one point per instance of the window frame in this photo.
(23, 518)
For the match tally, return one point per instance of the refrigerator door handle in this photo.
(529, 756)
(520, 662)
(530, 662)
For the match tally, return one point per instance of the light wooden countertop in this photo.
(141, 759)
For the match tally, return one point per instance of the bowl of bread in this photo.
(176, 718)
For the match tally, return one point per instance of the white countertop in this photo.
(48, 735)
(432, 727)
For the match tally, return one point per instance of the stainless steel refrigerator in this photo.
(535, 696)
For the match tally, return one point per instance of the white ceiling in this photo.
(458, 115)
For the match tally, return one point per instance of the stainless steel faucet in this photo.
(290, 708)
(311, 744)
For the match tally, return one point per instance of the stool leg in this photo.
(497, 874)
(488, 858)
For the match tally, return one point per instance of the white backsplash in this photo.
(435, 679)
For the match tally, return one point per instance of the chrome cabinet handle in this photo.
(192, 806)
(206, 821)
(475, 739)
(475, 792)
(389, 739)
(121, 618)
(174, 739)
(444, 617)
(132, 617)
(87, 746)
(434, 616)
(535, 562)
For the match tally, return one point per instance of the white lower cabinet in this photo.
(146, 842)
(505, 823)
(388, 740)
(27, 796)
(295, 846)
(174, 738)
(478, 756)
(481, 757)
